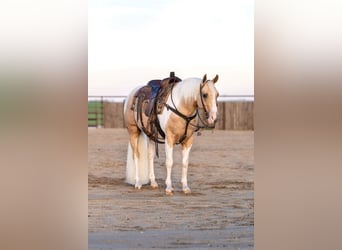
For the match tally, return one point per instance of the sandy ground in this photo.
(219, 213)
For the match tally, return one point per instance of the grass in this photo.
(95, 107)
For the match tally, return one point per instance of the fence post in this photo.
(102, 112)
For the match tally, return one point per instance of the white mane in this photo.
(187, 89)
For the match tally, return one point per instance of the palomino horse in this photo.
(191, 102)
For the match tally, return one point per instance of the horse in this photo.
(190, 106)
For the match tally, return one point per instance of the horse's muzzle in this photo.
(212, 119)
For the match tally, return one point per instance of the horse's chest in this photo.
(174, 124)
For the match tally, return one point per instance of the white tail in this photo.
(142, 161)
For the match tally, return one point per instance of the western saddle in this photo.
(150, 100)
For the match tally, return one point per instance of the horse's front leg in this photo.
(169, 162)
(151, 149)
(186, 147)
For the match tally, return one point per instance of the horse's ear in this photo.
(204, 78)
(215, 79)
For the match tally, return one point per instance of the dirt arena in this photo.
(219, 213)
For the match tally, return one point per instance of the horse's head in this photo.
(208, 99)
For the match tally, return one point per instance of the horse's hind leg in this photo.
(134, 143)
(151, 148)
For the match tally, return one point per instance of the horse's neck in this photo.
(185, 95)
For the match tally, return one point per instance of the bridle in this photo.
(205, 111)
(202, 102)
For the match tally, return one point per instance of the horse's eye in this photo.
(205, 95)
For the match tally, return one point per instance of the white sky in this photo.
(133, 41)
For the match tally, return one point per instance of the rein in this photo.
(188, 119)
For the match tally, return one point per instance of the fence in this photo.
(234, 112)
(95, 112)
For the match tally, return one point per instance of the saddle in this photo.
(155, 94)
(150, 100)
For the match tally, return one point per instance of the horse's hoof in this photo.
(169, 193)
(138, 186)
(186, 190)
(154, 184)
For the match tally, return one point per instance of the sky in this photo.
(133, 41)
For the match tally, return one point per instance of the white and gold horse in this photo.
(192, 104)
